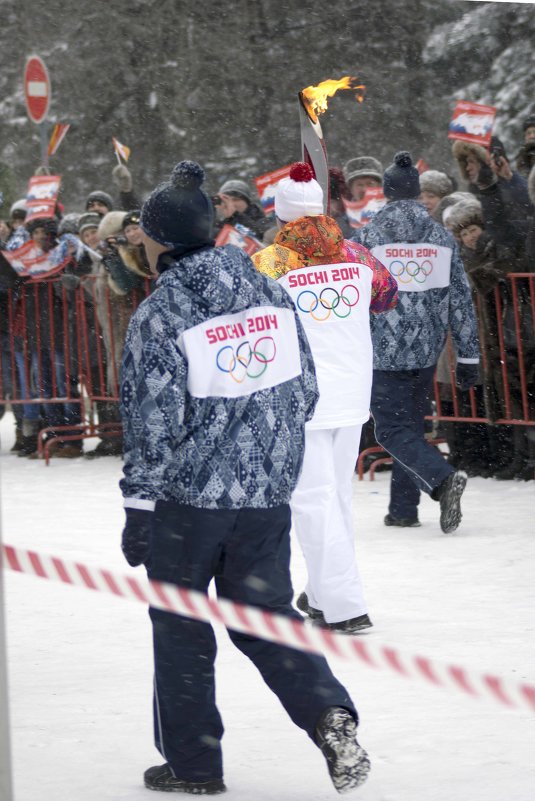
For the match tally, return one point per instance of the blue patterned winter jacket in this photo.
(434, 295)
(217, 384)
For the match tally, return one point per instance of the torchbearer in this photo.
(218, 382)
(334, 285)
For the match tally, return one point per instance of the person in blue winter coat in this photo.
(217, 384)
(434, 297)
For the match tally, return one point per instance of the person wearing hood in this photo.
(503, 193)
(334, 284)
(434, 296)
(217, 384)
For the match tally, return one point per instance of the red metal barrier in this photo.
(61, 354)
(64, 346)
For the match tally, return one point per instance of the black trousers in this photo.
(247, 551)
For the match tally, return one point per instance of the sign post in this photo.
(6, 785)
(37, 92)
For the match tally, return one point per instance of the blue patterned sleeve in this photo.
(153, 390)
(462, 316)
(308, 375)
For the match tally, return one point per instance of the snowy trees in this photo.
(219, 83)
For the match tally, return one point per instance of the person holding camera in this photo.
(503, 193)
(121, 275)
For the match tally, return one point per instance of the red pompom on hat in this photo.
(301, 171)
(298, 195)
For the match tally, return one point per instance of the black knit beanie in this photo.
(401, 180)
(178, 214)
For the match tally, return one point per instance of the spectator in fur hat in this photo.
(235, 205)
(448, 201)
(434, 186)
(503, 193)
(362, 173)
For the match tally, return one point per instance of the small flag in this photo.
(422, 166)
(472, 122)
(59, 133)
(122, 150)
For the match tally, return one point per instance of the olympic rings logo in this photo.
(328, 301)
(411, 270)
(246, 361)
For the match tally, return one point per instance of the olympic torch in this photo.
(312, 103)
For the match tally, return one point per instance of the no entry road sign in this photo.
(36, 89)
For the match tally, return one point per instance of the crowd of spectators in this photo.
(47, 353)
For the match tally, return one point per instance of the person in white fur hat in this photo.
(334, 284)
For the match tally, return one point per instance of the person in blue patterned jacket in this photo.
(434, 297)
(217, 384)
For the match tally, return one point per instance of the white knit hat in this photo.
(298, 195)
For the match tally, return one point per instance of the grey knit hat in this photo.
(363, 167)
(436, 182)
(236, 187)
(88, 220)
(99, 197)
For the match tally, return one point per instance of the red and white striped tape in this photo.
(276, 628)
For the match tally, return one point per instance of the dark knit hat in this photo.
(50, 224)
(236, 188)
(88, 220)
(529, 122)
(99, 197)
(131, 218)
(178, 214)
(401, 180)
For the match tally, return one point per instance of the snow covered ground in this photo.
(80, 662)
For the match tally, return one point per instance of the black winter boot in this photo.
(336, 736)
(160, 777)
(448, 494)
(30, 430)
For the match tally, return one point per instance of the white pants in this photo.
(322, 520)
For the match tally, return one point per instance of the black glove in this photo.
(137, 536)
(466, 375)
(486, 177)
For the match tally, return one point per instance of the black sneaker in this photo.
(303, 606)
(449, 496)
(352, 626)
(402, 522)
(161, 778)
(336, 736)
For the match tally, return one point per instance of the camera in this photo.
(498, 155)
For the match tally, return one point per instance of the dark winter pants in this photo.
(248, 553)
(400, 400)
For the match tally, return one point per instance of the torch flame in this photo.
(315, 97)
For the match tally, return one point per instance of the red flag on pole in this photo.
(59, 133)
